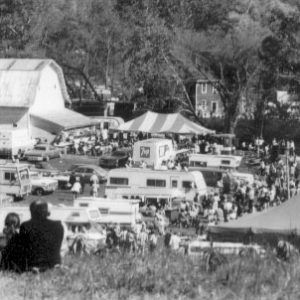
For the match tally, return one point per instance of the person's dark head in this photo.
(39, 210)
(11, 225)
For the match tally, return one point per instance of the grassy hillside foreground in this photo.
(157, 276)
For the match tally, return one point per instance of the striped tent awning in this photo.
(151, 122)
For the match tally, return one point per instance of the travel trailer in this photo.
(66, 214)
(14, 179)
(190, 183)
(123, 212)
(214, 161)
(153, 152)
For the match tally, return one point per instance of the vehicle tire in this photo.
(39, 191)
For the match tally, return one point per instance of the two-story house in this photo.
(207, 100)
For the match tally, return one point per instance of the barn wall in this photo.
(48, 94)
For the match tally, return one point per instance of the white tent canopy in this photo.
(151, 122)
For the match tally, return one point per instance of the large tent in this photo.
(151, 122)
(279, 221)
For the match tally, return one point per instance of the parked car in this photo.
(41, 185)
(42, 152)
(86, 171)
(116, 159)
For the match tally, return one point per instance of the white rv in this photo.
(14, 179)
(66, 214)
(123, 212)
(214, 161)
(189, 183)
(153, 151)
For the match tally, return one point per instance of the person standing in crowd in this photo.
(41, 239)
(152, 240)
(76, 188)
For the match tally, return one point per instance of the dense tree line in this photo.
(151, 51)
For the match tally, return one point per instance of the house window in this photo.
(174, 183)
(214, 107)
(119, 181)
(156, 183)
(204, 104)
(203, 88)
(187, 184)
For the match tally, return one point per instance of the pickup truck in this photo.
(42, 152)
(42, 185)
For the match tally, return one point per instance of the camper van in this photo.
(153, 152)
(190, 183)
(14, 179)
(214, 161)
(123, 212)
(66, 214)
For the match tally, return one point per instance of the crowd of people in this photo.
(40, 243)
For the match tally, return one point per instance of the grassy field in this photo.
(159, 275)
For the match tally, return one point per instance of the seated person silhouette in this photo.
(41, 238)
(11, 254)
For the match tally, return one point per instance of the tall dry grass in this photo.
(159, 275)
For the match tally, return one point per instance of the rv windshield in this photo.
(24, 175)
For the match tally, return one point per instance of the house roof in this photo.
(19, 79)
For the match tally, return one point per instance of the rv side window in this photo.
(187, 184)
(200, 164)
(225, 162)
(10, 176)
(118, 180)
(156, 182)
(174, 183)
(24, 174)
(192, 163)
(104, 211)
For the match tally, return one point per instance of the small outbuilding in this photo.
(33, 98)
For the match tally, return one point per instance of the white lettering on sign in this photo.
(145, 152)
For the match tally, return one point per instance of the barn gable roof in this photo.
(19, 79)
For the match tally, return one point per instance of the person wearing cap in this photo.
(41, 238)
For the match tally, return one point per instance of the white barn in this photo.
(33, 95)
